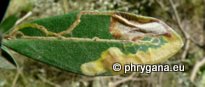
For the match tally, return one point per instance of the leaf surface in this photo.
(91, 48)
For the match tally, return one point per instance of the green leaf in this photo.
(95, 44)
(8, 23)
(6, 60)
(69, 54)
